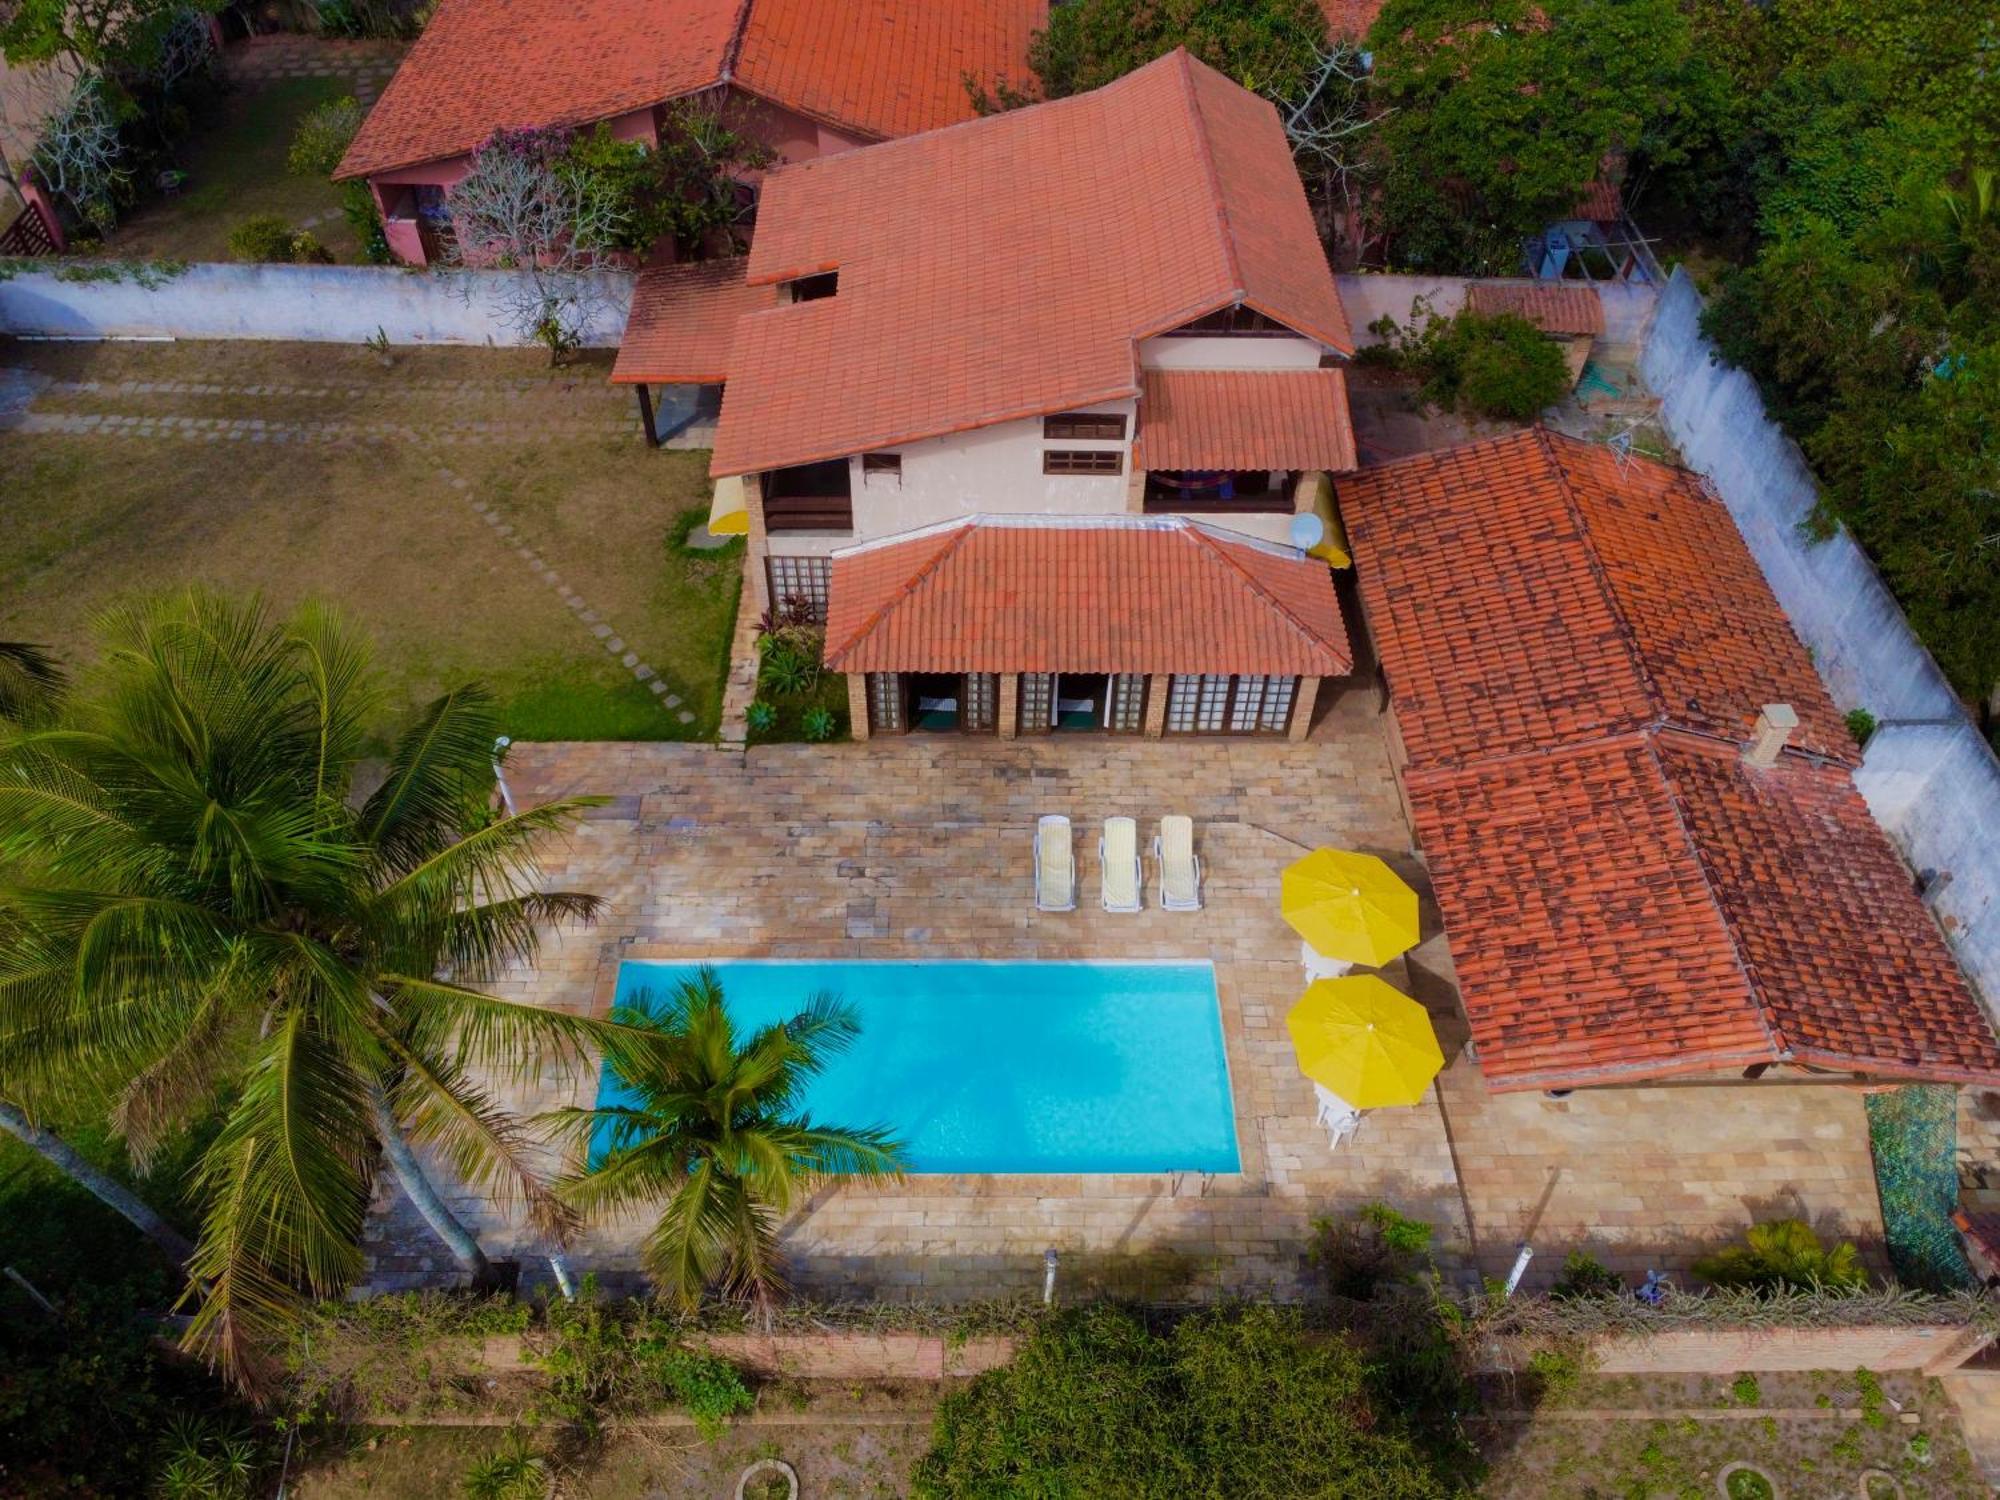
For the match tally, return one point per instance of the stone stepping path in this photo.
(258, 430)
(601, 630)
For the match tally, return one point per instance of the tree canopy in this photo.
(1271, 46)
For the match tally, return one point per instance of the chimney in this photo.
(1774, 729)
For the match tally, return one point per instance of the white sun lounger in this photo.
(1180, 871)
(1340, 1118)
(1118, 852)
(1055, 865)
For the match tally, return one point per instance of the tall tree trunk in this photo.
(403, 1161)
(113, 1194)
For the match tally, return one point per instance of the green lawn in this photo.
(372, 527)
(235, 165)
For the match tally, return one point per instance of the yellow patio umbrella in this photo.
(1364, 1041)
(1350, 907)
(729, 511)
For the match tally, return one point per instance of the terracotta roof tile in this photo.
(1650, 905)
(484, 64)
(1110, 594)
(885, 67)
(1602, 202)
(1006, 267)
(683, 319)
(1244, 419)
(1553, 307)
(868, 67)
(1531, 591)
(1350, 20)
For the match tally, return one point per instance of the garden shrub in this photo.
(1497, 366)
(262, 237)
(322, 137)
(1783, 1254)
(1584, 1275)
(1861, 724)
(818, 724)
(1378, 1247)
(1228, 1403)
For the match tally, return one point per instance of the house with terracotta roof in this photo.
(1633, 792)
(1570, 313)
(1027, 409)
(802, 78)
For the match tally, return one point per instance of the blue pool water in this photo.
(1006, 1067)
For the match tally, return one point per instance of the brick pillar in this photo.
(1302, 708)
(1010, 704)
(760, 546)
(1156, 704)
(1135, 491)
(857, 705)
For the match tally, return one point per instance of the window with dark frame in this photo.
(1103, 426)
(885, 703)
(978, 703)
(1127, 713)
(1082, 461)
(1037, 702)
(882, 466)
(1209, 703)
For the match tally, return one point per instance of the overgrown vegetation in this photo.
(1494, 365)
(1226, 1403)
(797, 699)
(1784, 1254)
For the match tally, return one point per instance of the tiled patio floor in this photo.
(919, 847)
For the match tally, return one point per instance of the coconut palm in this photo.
(30, 681)
(715, 1135)
(191, 891)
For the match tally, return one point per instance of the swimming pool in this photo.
(1006, 1067)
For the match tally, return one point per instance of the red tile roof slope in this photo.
(1111, 594)
(683, 318)
(1553, 307)
(1649, 905)
(1529, 591)
(885, 67)
(484, 64)
(1244, 419)
(1005, 267)
(1349, 20)
(868, 67)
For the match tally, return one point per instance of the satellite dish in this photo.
(1308, 531)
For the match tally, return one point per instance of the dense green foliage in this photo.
(1858, 191)
(683, 191)
(1226, 1404)
(1783, 1254)
(1267, 45)
(1495, 114)
(1497, 365)
(716, 1140)
(322, 137)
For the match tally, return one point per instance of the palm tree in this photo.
(1782, 1254)
(716, 1133)
(30, 681)
(190, 892)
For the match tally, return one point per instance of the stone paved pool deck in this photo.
(919, 848)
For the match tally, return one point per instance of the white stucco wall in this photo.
(1217, 352)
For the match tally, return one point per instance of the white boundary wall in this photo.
(317, 304)
(1929, 777)
(1627, 304)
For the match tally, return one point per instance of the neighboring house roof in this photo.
(1088, 594)
(1534, 590)
(1007, 267)
(1602, 202)
(1244, 419)
(683, 318)
(1577, 648)
(869, 67)
(1554, 307)
(1349, 20)
(1650, 905)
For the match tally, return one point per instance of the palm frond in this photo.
(647, 1170)
(438, 782)
(30, 681)
(484, 1146)
(333, 666)
(692, 1244)
(485, 1031)
(161, 1096)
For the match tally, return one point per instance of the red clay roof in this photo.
(1649, 905)
(1349, 20)
(869, 67)
(1602, 202)
(1553, 307)
(1106, 594)
(885, 67)
(1244, 419)
(1532, 591)
(1006, 267)
(683, 318)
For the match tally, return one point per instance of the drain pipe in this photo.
(499, 777)
(564, 1284)
(1049, 1260)
(1524, 1253)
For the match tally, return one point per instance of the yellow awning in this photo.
(1364, 1041)
(1350, 907)
(728, 513)
(1332, 547)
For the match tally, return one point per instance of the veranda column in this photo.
(760, 545)
(1302, 708)
(857, 705)
(1010, 704)
(1157, 687)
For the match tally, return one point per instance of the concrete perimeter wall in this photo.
(1929, 777)
(317, 304)
(1627, 305)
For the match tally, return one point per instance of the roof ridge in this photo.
(1205, 153)
(1223, 550)
(1780, 1048)
(727, 74)
(908, 587)
(1602, 574)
